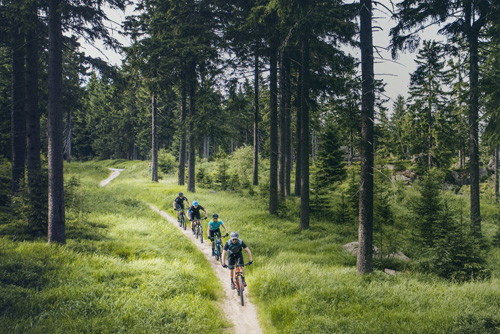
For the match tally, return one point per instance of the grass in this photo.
(126, 270)
(123, 270)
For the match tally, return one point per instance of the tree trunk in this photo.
(288, 134)
(35, 212)
(18, 109)
(496, 174)
(67, 138)
(256, 122)
(473, 135)
(192, 146)
(298, 130)
(304, 135)
(56, 215)
(365, 231)
(154, 137)
(181, 175)
(273, 131)
(282, 127)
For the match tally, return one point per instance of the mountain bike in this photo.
(218, 247)
(198, 229)
(182, 218)
(238, 278)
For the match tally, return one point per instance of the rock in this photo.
(390, 271)
(212, 192)
(352, 248)
(398, 255)
(483, 171)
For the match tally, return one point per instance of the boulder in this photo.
(352, 248)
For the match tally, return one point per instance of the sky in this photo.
(395, 73)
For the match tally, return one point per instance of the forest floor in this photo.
(244, 318)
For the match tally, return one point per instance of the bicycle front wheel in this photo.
(241, 287)
(201, 233)
(219, 250)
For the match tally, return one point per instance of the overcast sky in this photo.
(396, 73)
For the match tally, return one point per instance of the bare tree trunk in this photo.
(282, 127)
(304, 135)
(181, 175)
(473, 133)
(192, 111)
(56, 214)
(298, 131)
(429, 144)
(273, 177)
(18, 109)
(365, 231)
(496, 174)
(460, 166)
(256, 122)
(154, 137)
(288, 132)
(35, 212)
(67, 138)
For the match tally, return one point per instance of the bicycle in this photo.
(238, 277)
(198, 229)
(218, 247)
(182, 218)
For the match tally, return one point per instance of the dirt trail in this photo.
(114, 174)
(244, 318)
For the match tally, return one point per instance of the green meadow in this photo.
(126, 270)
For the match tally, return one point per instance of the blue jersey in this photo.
(215, 225)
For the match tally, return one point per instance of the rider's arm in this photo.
(225, 229)
(188, 202)
(223, 257)
(249, 254)
(206, 213)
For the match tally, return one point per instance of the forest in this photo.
(365, 214)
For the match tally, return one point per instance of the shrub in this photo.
(166, 161)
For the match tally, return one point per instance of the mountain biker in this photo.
(214, 229)
(194, 213)
(179, 203)
(234, 247)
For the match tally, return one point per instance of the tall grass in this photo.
(123, 270)
(124, 260)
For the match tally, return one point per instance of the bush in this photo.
(166, 162)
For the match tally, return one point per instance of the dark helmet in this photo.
(181, 194)
(215, 215)
(234, 235)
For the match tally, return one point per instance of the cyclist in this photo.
(234, 247)
(194, 213)
(214, 230)
(179, 203)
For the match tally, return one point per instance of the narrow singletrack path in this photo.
(114, 174)
(244, 318)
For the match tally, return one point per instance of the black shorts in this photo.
(231, 259)
(177, 206)
(212, 233)
(194, 215)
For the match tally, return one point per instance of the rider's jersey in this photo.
(180, 201)
(197, 210)
(234, 248)
(215, 225)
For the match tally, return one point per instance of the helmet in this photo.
(234, 235)
(181, 194)
(195, 203)
(215, 215)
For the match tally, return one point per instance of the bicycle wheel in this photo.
(201, 233)
(196, 231)
(219, 250)
(184, 222)
(241, 288)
